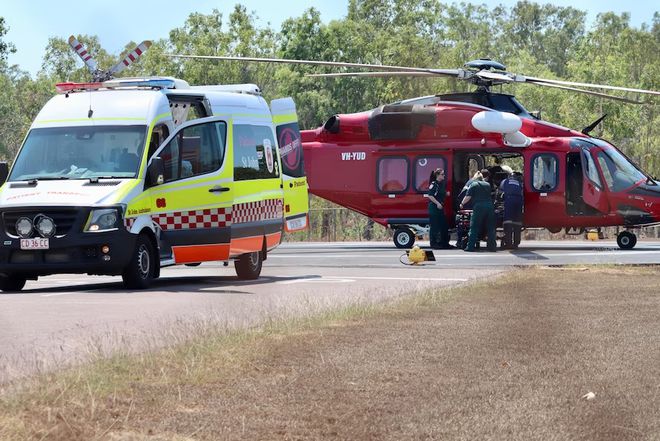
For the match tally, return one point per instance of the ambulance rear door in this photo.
(294, 181)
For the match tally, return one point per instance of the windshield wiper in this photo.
(95, 179)
(33, 181)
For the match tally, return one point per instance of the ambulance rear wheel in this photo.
(248, 266)
(141, 269)
(403, 238)
(626, 240)
(11, 283)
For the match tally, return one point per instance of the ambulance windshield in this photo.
(80, 153)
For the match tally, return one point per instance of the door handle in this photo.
(218, 189)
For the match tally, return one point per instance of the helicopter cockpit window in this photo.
(424, 165)
(544, 173)
(619, 174)
(590, 168)
(392, 175)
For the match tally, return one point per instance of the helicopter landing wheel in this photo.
(626, 240)
(403, 238)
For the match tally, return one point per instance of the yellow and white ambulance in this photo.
(126, 176)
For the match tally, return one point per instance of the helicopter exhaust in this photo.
(505, 123)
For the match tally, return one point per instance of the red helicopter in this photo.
(378, 162)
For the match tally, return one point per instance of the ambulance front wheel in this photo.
(141, 269)
(248, 266)
(626, 240)
(11, 283)
(403, 238)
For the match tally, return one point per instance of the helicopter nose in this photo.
(655, 209)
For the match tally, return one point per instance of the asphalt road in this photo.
(385, 255)
(65, 319)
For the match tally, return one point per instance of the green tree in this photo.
(6, 48)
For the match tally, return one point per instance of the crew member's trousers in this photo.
(483, 215)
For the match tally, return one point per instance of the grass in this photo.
(504, 359)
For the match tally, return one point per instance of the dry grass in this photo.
(505, 360)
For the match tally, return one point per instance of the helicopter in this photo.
(378, 162)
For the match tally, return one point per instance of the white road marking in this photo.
(317, 280)
(345, 279)
(478, 255)
(62, 293)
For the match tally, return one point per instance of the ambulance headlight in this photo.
(103, 220)
(24, 227)
(44, 225)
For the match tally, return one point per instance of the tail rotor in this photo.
(100, 75)
(130, 58)
(82, 52)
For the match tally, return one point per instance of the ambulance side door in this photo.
(192, 208)
(294, 181)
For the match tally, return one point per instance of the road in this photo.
(385, 255)
(65, 319)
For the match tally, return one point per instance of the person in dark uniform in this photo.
(512, 192)
(439, 230)
(483, 213)
(463, 192)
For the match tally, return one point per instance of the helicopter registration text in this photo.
(353, 156)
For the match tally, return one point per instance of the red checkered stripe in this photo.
(258, 211)
(128, 222)
(185, 220)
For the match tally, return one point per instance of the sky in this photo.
(32, 22)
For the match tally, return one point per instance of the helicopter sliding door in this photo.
(593, 191)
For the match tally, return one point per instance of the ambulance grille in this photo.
(63, 218)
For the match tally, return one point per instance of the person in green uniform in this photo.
(483, 211)
(439, 230)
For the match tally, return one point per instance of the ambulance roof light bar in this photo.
(249, 88)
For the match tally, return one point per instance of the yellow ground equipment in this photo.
(592, 235)
(417, 255)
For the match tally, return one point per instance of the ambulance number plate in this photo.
(297, 223)
(35, 244)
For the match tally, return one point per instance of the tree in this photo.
(5, 47)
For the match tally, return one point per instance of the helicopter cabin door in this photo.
(593, 190)
(294, 182)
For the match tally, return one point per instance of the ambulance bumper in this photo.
(81, 253)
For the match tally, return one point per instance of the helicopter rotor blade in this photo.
(81, 50)
(512, 78)
(131, 57)
(595, 86)
(452, 72)
(498, 77)
(589, 92)
(373, 74)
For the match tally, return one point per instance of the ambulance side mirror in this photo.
(4, 172)
(156, 172)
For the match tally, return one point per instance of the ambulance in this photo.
(130, 175)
